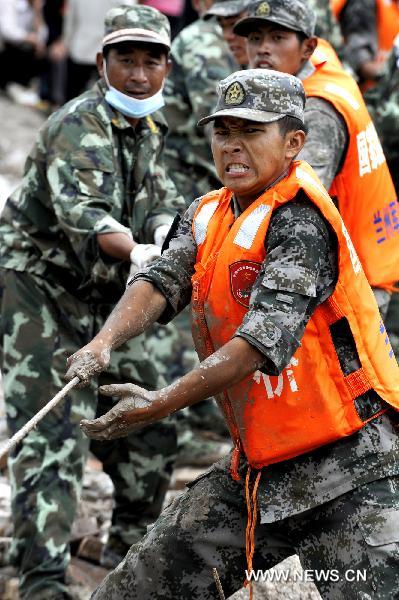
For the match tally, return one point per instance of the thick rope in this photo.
(12, 442)
(252, 508)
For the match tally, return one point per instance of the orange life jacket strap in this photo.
(252, 508)
(357, 383)
(235, 463)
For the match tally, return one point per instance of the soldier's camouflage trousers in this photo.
(353, 540)
(41, 325)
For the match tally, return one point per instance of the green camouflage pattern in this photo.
(88, 173)
(41, 326)
(200, 59)
(259, 95)
(120, 19)
(294, 14)
(353, 539)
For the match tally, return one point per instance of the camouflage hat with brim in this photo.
(226, 8)
(293, 14)
(136, 24)
(259, 95)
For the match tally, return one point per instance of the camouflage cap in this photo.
(293, 14)
(259, 95)
(136, 23)
(226, 8)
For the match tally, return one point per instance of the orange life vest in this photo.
(363, 187)
(387, 23)
(311, 403)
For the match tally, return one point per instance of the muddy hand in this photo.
(132, 412)
(87, 362)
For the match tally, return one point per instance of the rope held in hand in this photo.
(16, 438)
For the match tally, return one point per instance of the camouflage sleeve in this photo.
(80, 175)
(171, 273)
(326, 141)
(358, 21)
(299, 273)
(166, 200)
(203, 62)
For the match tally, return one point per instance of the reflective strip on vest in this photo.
(305, 177)
(344, 94)
(202, 219)
(245, 236)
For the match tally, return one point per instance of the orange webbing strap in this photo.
(235, 463)
(252, 507)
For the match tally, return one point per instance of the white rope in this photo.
(38, 417)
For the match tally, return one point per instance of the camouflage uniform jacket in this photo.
(298, 273)
(200, 60)
(89, 172)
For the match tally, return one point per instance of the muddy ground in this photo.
(19, 126)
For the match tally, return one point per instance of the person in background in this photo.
(369, 28)
(95, 203)
(383, 104)
(81, 40)
(23, 35)
(227, 16)
(342, 144)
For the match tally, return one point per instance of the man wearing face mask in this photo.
(95, 203)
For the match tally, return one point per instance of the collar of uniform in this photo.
(153, 123)
(306, 71)
(234, 202)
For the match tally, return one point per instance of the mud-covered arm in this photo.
(138, 407)
(299, 273)
(156, 293)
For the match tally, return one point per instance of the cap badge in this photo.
(235, 94)
(263, 10)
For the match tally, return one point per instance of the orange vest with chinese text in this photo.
(363, 187)
(311, 403)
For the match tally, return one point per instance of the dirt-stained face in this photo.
(250, 156)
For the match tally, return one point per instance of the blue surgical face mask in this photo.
(132, 107)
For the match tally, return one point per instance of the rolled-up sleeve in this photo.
(298, 273)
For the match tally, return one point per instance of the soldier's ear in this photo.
(100, 63)
(309, 45)
(294, 141)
